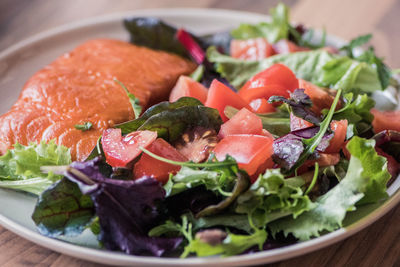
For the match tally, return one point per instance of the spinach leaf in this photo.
(63, 210)
(365, 182)
(154, 33)
(20, 166)
(133, 125)
(171, 124)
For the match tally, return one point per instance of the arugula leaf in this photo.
(63, 210)
(272, 197)
(233, 244)
(273, 31)
(135, 103)
(365, 180)
(84, 127)
(20, 166)
(133, 125)
(356, 42)
(317, 66)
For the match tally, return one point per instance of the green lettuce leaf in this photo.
(272, 197)
(357, 111)
(364, 182)
(233, 244)
(20, 166)
(273, 31)
(317, 66)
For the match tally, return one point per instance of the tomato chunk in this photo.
(250, 151)
(276, 74)
(276, 80)
(186, 86)
(386, 120)
(220, 96)
(122, 150)
(159, 170)
(339, 129)
(251, 49)
(243, 122)
(285, 47)
(297, 123)
(261, 105)
(320, 98)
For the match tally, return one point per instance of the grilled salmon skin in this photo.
(79, 87)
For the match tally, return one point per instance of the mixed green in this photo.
(254, 165)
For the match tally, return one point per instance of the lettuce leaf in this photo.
(317, 66)
(364, 182)
(273, 31)
(233, 244)
(20, 166)
(272, 197)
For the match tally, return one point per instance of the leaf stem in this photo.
(186, 163)
(314, 179)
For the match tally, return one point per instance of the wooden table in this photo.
(375, 246)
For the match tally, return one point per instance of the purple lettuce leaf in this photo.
(288, 148)
(127, 210)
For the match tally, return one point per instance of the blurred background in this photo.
(20, 19)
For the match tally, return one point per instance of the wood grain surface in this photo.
(377, 245)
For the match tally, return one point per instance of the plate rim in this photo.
(117, 258)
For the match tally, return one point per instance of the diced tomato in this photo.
(243, 122)
(320, 98)
(392, 165)
(159, 170)
(339, 129)
(122, 150)
(186, 86)
(267, 134)
(251, 49)
(297, 123)
(261, 105)
(276, 74)
(325, 159)
(250, 151)
(220, 96)
(263, 92)
(386, 120)
(285, 47)
(276, 80)
(345, 151)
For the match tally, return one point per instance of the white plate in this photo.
(22, 60)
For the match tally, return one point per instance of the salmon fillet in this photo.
(79, 87)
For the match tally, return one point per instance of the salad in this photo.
(273, 140)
